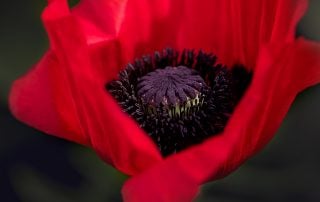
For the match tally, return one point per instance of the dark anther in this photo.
(180, 99)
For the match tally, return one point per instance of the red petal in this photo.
(32, 101)
(282, 71)
(127, 148)
(234, 30)
(100, 19)
(69, 89)
(183, 188)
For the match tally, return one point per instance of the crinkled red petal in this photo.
(232, 29)
(32, 100)
(282, 71)
(75, 84)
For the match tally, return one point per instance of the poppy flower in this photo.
(65, 95)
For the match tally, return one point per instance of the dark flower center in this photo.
(179, 99)
(176, 90)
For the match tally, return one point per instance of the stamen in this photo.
(179, 99)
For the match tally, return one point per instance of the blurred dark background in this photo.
(36, 167)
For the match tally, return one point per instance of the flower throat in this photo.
(179, 99)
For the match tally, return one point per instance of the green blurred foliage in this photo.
(101, 182)
(22, 40)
